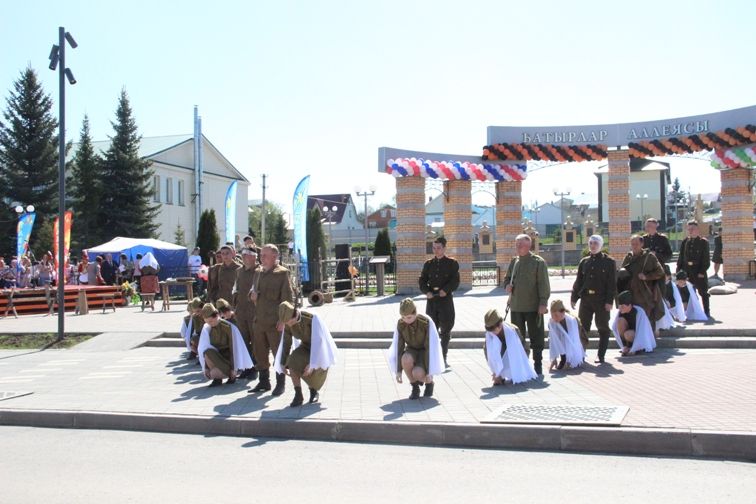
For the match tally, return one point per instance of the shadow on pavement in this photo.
(206, 392)
(604, 370)
(653, 358)
(248, 403)
(399, 407)
(494, 391)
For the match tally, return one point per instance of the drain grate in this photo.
(559, 414)
(11, 395)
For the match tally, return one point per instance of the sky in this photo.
(291, 88)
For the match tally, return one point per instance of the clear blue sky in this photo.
(315, 87)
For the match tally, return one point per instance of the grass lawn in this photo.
(40, 340)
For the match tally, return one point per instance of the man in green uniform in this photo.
(642, 273)
(694, 259)
(415, 349)
(218, 362)
(270, 288)
(314, 355)
(439, 278)
(595, 287)
(244, 307)
(225, 276)
(528, 286)
(657, 243)
(212, 276)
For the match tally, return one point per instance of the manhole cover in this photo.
(11, 395)
(558, 414)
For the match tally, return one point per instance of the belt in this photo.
(690, 263)
(436, 288)
(591, 291)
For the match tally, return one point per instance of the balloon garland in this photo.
(544, 152)
(739, 157)
(722, 140)
(455, 170)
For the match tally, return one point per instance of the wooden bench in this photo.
(148, 299)
(9, 306)
(108, 298)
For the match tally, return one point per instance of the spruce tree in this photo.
(207, 235)
(126, 205)
(85, 192)
(315, 247)
(28, 156)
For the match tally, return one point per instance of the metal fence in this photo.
(485, 273)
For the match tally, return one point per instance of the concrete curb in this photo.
(610, 440)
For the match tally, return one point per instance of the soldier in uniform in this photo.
(694, 260)
(243, 305)
(212, 276)
(188, 329)
(415, 349)
(249, 243)
(439, 278)
(226, 311)
(657, 243)
(225, 275)
(645, 275)
(528, 286)
(595, 287)
(313, 357)
(716, 257)
(270, 288)
(221, 350)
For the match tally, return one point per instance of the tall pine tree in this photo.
(28, 158)
(126, 204)
(207, 235)
(85, 191)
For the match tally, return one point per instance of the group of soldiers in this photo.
(251, 315)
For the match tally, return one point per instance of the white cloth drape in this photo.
(679, 310)
(566, 343)
(667, 321)
(242, 359)
(644, 335)
(323, 350)
(514, 364)
(695, 310)
(186, 332)
(435, 355)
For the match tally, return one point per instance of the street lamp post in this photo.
(58, 60)
(329, 213)
(642, 198)
(365, 194)
(561, 195)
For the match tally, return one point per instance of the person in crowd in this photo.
(631, 327)
(243, 305)
(212, 275)
(528, 286)
(225, 276)
(415, 350)
(313, 355)
(191, 326)
(108, 270)
(694, 260)
(657, 243)
(716, 257)
(83, 268)
(195, 263)
(97, 274)
(685, 292)
(642, 274)
(504, 352)
(137, 271)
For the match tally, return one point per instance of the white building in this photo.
(173, 184)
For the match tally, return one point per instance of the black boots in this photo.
(264, 384)
(215, 383)
(415, 391)
(314, 395)
(562, 361)
(428, 390)
(249, 374)
(537, 358)
(298, 398)
(280, 384)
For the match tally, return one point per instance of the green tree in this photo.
(179, 236)
(126, 207)
(275, 223)
(382, 247)
(42, 238)
(28, 155)
(207, 235)
(315, 247)
(85, 191)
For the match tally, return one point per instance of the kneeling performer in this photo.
(314, 351)
(504, 352)
(221, 348)
(415, 349)
(631, 327)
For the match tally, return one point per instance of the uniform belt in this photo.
(436, 288)
(591, 291)
(690, 263)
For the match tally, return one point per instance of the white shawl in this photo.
(514, 364)
(667, 321)
(323, 350)
(186, 332)
(679, 310)
(695, 310)
(566, 343)
(148, 260)
(644, 335)
(238, 348)
(435, 356)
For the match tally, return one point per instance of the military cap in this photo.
(286, 312)
(625, 298)
(492, 318)
(407, 307)
(222, 305)
(195, 304)
(208, 311)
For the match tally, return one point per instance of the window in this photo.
(156, 188)
(169, 190)
(181, 193)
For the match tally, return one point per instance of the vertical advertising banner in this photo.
(23, 233)
(300, 226)
(231, 213)
(67, 223)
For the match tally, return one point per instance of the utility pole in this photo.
(561, 195)
(262, 212)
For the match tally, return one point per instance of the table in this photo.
(165, 286)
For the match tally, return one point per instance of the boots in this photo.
(428, 390)
(264, 384)
(298, 398)
(415, 391)
(215, 383)
(562, 361)
(314, 396)
(537, 358)
(280, 384)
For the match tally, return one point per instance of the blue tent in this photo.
(171, 258)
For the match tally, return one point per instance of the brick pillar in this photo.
(458, 228)
(410, 233)
(618, 195)
(508, 222)
(737, 227)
